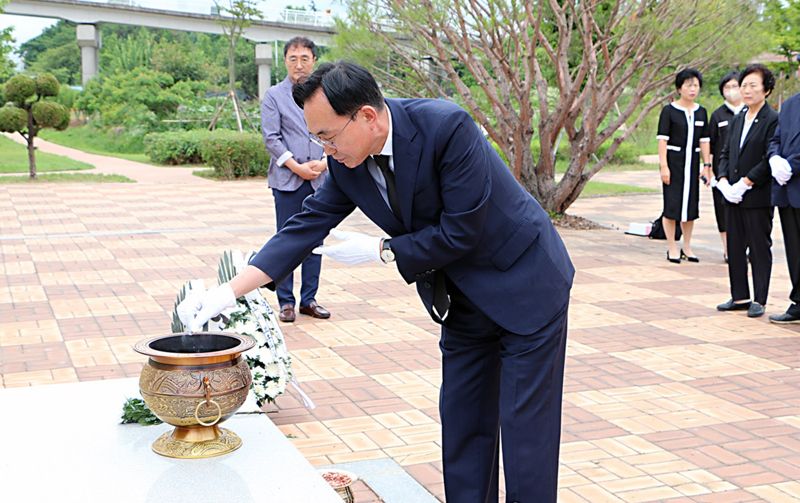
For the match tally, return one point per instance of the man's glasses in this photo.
(329, 143)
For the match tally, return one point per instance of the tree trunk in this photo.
(232, 66)
(31, 149)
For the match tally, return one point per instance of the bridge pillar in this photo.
(89, 42)
(264, 62)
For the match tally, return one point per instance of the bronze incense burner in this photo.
(194, 382)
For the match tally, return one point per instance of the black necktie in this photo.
(391, 188)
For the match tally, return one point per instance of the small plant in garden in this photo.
(28, 110)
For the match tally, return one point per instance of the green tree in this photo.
(28, 110)
(235, 17)
(548, 74)
(123, 53)
(137, 100)
(54, 51)
(6, 48)
(784, 18)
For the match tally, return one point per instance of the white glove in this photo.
(739, 188)
(727, 191)
(199, 307)
(781, 169)
(713, 182)
(355, 248)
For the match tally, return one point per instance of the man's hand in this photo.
(319, 166)
(354, 248)
(781, 169)
(739, 188)
(307, 170)
(727, 192)
(199, 307)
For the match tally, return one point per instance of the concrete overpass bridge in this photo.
(88, 15)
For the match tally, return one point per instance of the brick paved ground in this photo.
(665, 398)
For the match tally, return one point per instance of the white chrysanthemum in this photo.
(273, 369)
(272, 390)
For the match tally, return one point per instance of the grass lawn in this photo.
(14, 159)
(94, 142)
(561, 167)
(612, 189)
(67, 178)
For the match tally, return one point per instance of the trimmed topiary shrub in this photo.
(29, 112)
(12, 119)
(50, 113)
(19, 88)
(46, 85)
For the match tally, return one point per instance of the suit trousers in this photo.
(749, 229)
(790, 224)
(493, 382)
(287, 204)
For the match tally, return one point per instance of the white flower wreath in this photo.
(269, 361)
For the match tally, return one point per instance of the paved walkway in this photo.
(139, 171)
(665, 398)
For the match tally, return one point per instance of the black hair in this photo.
(300, 42)
(734, 75)
(347, 86)
(767, 78)
(686, 74)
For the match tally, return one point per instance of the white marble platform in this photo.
(63, 443)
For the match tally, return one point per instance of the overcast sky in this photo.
(26, 28)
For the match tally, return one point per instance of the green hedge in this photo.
(176, 147)
(235, 155)
(230, 153)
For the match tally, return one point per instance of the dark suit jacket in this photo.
(463, 213)
(786, 143)
(751, 159)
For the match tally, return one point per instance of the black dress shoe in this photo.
(315, 310)
(733, 306)
(784, 319)
(755, 310)
(287, 313)
(673, 260)
(687, 257)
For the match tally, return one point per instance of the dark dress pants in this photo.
(493, 381)
(719, 209)
(749, 229)
(790, 224)
(288, 204)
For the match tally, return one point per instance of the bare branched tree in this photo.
(540, 74)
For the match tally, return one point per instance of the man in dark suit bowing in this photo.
(784, 161)
(486, 260)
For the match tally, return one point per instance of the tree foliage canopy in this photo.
(545, 75)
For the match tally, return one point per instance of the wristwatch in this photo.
(387, 255)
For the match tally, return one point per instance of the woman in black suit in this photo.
(745, 179)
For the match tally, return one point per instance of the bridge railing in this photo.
(307, 17)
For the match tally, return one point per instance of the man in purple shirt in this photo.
(296, 169)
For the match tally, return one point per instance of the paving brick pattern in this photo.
(665, 399)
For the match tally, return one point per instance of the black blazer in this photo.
(751, 159)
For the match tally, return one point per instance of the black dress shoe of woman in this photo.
(673, 260)
(687, 257)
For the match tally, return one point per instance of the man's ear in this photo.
(369, 113)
